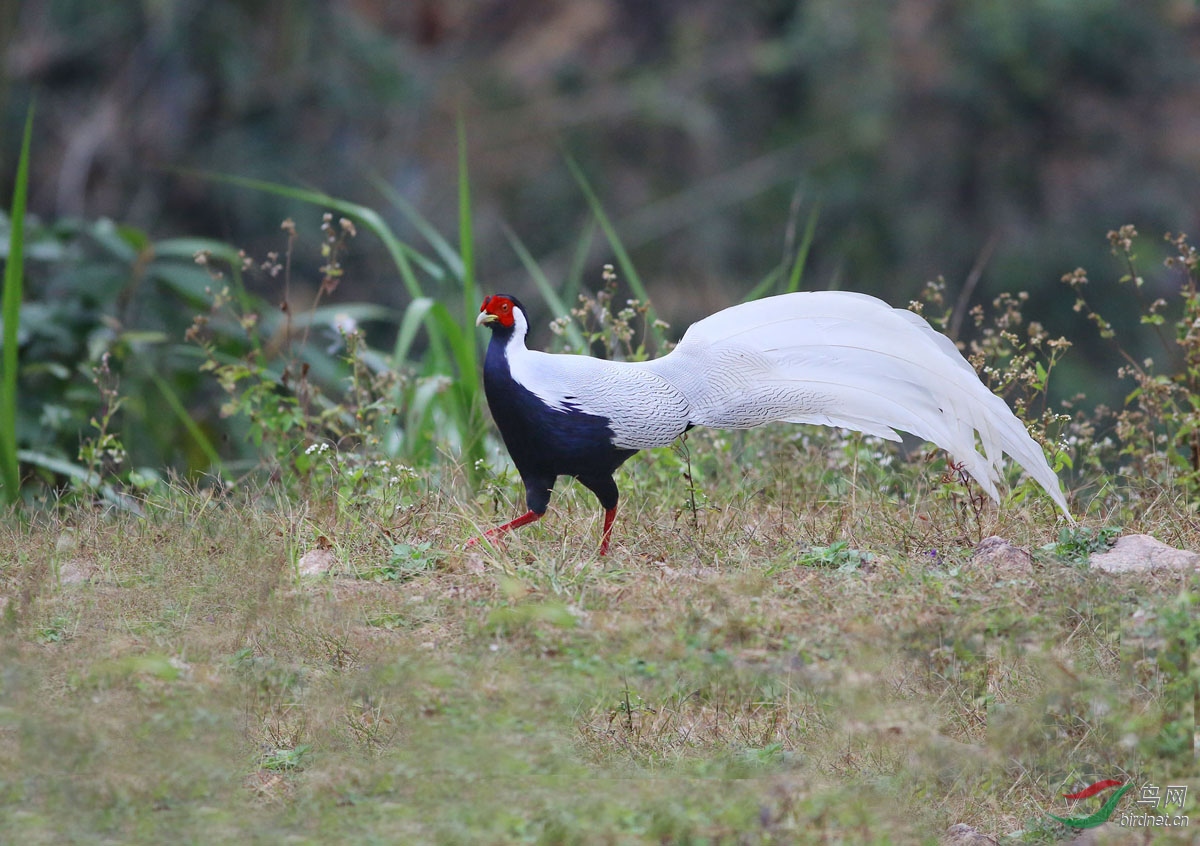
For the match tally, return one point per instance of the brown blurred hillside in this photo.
(929, 132)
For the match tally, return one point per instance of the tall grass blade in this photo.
(765, 286)
(410, 324)
(444, 249)
(466, 249)
(402, 255)
(810, 228)
(10, 312)
(628, 271)
(466, 343)
(557, 306)
(770, 283)
(573, 283)
(193, 429)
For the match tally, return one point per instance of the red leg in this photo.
(610, 516)
(524, 520)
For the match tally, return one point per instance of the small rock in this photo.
(76, 571)
(1142, 553)
(998, 554)
(317, 562)
(961, 834)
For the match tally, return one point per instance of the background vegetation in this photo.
(984, 143)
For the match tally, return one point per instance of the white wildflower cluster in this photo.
(398, 472)
(317, 448)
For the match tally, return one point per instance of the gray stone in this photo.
(317, 562)
(961, 834)
(1141, 554)
(997, 554)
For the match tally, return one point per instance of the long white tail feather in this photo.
(848, 360)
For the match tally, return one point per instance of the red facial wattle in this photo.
(499, 309)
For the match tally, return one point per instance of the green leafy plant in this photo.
(405, 561)
(1076, 543)
(102, 454)
(277, 392)
(438, 391)
(839, 555)
(609, 328)
(95, 289)
(1155, 434)
(286, 758)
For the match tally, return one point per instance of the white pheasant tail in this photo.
(850, 360)
(830, 358)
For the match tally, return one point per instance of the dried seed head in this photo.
(1122, 239)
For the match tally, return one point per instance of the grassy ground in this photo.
(812, 655)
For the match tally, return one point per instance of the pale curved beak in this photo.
(485, 317)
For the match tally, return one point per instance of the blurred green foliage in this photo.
(926, 129)
(99, 288)
(981, 141)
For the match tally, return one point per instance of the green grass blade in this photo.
(810, 228)
(573, 283)
(173, 401)
(465, 342)
(770, 283)
(628, 271)
(444, 249)
(10, 311)
(410, 324)
(466, 243)
(402, 255)
(765, 286)
(553, 300)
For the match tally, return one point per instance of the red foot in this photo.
(524, 520)
(610, 515)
